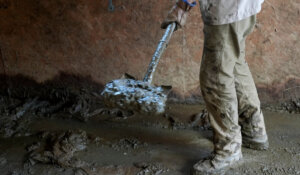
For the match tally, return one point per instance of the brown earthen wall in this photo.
(43, 40)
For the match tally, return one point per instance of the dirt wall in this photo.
(43, 40)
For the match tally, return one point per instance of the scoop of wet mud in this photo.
(135, 95)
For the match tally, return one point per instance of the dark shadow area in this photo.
(66, 94)
(20, 86)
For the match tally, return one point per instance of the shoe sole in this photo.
(255, 145)
(222, 171)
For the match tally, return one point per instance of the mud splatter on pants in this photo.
(228, 88)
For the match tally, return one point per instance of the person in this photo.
(226, 82)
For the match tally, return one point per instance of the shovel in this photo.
(136, 95)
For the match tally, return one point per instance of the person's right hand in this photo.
(177, 14)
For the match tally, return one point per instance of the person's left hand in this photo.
(177, 14)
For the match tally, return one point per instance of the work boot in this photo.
(248, 143)
(216, 165)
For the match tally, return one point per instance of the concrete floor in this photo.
(151, 145)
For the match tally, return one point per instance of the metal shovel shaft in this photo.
(159, 51)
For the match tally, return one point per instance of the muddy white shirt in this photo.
(217, 12)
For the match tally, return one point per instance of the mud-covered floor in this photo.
(144, 145)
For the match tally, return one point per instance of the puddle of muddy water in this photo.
(174, 147)
(117, 146)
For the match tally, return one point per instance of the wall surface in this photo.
(43, 40)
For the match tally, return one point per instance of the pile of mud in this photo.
(59, 148)
(18, 109)
(49, 101)
(292, 106)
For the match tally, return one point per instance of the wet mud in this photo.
(117, 142)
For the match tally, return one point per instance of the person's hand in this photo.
(178, 14)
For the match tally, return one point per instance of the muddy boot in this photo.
(216, 165)
(248, 143)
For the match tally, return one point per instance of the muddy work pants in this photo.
(228, 88)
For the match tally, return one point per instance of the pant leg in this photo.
(217, 84)
(251, 118)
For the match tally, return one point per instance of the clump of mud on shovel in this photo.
(135, 95)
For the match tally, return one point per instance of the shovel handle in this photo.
(162, 45)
